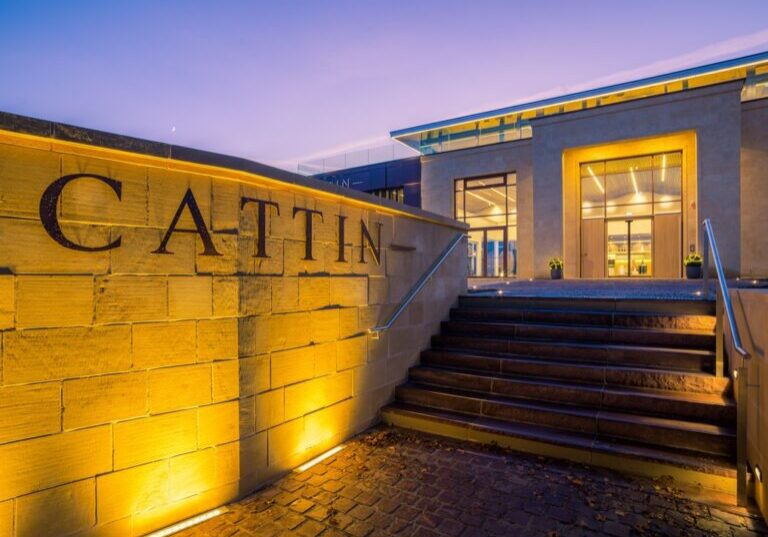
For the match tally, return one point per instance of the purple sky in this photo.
(283, 81)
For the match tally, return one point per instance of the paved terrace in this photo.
(395, 482)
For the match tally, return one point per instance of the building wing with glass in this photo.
(615, 180)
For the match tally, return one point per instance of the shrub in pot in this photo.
(692, 264)
(556, 268)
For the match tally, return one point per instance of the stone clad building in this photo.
(614, 180)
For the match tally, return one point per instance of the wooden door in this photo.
(593, 248)
(667, 251)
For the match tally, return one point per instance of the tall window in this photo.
(489, 206)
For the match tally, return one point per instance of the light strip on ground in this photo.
(184, 524)
(320, 458)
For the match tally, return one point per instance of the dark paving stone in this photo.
(402, 483)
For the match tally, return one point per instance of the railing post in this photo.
(719, 334)
(740, 375)
(705, 264)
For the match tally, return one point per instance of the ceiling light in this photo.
(663, 167)
(634, 180)
(595, 179)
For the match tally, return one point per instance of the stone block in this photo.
(255, 295)
(370, 377)
(311, 395)
(352, 352)
(253, 335)
(226, 295)
(91, 200)
(131, 298)
(190, 297)
(150, 439)
(349, 290)
(122, 493)
(285, 441)
(285, 294)
(25, 173)
(324, 325)
(253, 460)
(348, 322)
(314, 292)
(217, 339)
(166, 192)
(226, 380)
(331, 424)
(371, 316)
(288, 330)
(254, 374)
(219, 424)
(225, 205)
(271, 265)
(173, 388)
(247, 416)
(269, 409)
(192, 473)
(7, 301)
(104, 399)
(295, 365)
(378, 288)
(30, 410)
(40, 463)
(325, 358)
(43, 301)
(294, 263)
(6, 518)
(58, 353)
(161, 344)
(25, 247)
(134, 256)
(226, 262)
(57, 511)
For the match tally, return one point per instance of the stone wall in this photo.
(148, 380)
(751, 312)
(754, 189)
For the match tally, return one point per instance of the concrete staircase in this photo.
(625, 384)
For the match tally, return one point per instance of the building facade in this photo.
(615, 181)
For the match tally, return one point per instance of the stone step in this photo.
(617, 319)
(633, 355)
(694, 306)
(711, 472)
(612, 375)
(705, 408)
(572, 332)
(608, 426)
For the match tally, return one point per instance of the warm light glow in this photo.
(634, 181)
(663, 167)
(184, 524)
(596, 180)
(320, 458)
(758, 473)
(500, 292)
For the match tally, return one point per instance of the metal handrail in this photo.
(709, 240)
(376, 330)
(723, 302)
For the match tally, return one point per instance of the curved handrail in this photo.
(376, 330)
(727, 304)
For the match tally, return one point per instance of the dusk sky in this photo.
(285, 81)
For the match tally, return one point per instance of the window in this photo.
(394, 194)
(489, 205)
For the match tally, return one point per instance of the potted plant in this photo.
(556, 268)
(692, 264)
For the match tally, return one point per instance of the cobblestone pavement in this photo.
(395, 482)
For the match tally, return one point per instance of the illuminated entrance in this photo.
(489, 206)
(631, 217)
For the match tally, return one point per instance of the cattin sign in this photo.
(50, 221)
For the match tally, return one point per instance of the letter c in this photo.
(50, 219)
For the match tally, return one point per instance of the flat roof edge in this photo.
(743, 61)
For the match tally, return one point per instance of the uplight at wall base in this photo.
(188, 523)
(320, 458)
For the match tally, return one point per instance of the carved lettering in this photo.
(50, 220)
(308, 214)
(261, 215)
(366, 242)
(202, 230)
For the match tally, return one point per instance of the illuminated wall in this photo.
(149, 375)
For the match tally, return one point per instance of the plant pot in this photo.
(693, 272)
(556, 273)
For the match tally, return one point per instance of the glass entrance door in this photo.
(629, 247)
(487, 248)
